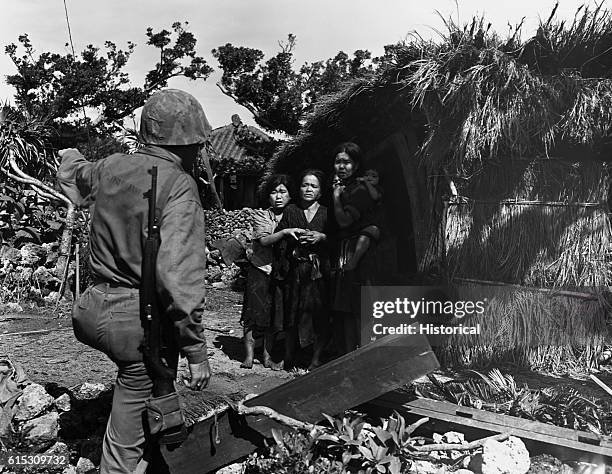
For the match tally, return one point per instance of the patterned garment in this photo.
(264, 224)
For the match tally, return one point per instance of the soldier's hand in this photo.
(200, 376)
(63, 151)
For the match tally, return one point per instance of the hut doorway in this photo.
(388, 159)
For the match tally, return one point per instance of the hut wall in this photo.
(537, 223)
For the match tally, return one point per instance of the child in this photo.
(371, 223)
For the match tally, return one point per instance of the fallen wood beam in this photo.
(564, 443)
(346, 382)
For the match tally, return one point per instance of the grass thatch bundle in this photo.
(474, 95)
(530, 328)
(541, 223)
(547, 246)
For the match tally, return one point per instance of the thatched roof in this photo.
(474, 96)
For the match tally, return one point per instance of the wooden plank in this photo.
(341, 384)
(352, 379)
(569, 441)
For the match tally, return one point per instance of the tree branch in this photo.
(250, 107)
(274, 415)
(458, 447)
(37, 184)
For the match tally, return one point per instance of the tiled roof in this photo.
(224, 142)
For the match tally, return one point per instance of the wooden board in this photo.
(563, 442)
(341, 384)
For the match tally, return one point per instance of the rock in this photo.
(52, 297)
(42, 429)
(507, 457)
(62, 403)
(43, 275)
(13, 308)
(33, 401)
(589, 467)
(59, 449)
(463, 471)
(236, 468)
(425, 467)
(23, 274)
(545, 464)
(453, 437)
(9, 255)
(89, 391)
(31, 254)
(84, 466)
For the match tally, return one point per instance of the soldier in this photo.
(107, 315)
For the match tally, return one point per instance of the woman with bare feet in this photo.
(262, 309)
(302, 264)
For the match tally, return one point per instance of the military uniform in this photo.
(107, 315)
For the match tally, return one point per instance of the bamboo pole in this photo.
(77, 256)
(553, 292)
(607, 389)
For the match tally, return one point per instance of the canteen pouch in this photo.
(164, 413)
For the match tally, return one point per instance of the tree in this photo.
(60, 87)
(275, 93)
(24, 159)
(53, 91)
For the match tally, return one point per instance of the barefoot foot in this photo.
(247, 364)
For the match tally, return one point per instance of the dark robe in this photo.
(303, 272)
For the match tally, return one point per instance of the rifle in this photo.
(163, 411)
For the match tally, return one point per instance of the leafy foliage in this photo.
(499, 393)
(59, 87)
(171, 59)
(27, 137)
(345, 445)
(275, 92)
(56, 86)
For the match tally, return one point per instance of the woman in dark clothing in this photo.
(302, 265)
(352, 205)
(262, 309)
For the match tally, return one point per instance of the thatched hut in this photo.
(493, 154)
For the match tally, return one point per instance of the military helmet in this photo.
(173, 117)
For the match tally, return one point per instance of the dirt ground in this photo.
(45, 346)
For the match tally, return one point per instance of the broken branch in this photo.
(459, 447)
(276, 416)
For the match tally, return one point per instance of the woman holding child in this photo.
(302, 269)
(358, 214)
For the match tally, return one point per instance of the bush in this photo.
(347, 445)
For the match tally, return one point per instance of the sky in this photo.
(322, 27)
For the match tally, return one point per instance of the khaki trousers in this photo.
(107, 318)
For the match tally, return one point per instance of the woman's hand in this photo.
(338, 191)
(312, 237)
(294, 232)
